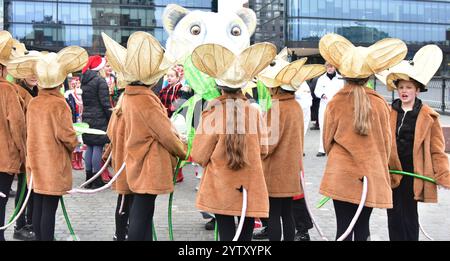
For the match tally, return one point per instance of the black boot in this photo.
(97, 183)
(89, 175)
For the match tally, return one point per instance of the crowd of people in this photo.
(239, 148)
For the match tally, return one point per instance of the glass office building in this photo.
(361, 21)
(52, 24)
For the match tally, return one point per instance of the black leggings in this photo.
(6, 181)
(27, 216)
(122, 218)
(227, 228)
(303, 221)
(403, 219)
(281, 208)
(344, 214)
(141, 217)
(44, 212)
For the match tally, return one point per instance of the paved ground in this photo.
(92, 216)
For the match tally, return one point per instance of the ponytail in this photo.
(362, 107)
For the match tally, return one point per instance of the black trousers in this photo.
(403, 219)
(301, 216)
(344, 214)
(281, 208)
(44, 212)
(141, 217)
(6, 181)
(227, 228)
(122, 217)
(27, 216)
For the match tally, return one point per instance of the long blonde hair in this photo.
(362, 107)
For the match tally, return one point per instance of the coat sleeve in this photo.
(273, 140)
(16, 122)
(329, 129)
(65, 131)
(162, 130)
(438, 156)
(205, 142)
(103, 96)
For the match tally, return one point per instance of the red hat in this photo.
(95, 63)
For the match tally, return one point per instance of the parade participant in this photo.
(326, 87)
(12, 128)
(151, 143)
(116, 133)
(418, 135)
(51, 138)
(27, 89)
(229, 141)
(284, 161)
(96, 113)
(356, 139)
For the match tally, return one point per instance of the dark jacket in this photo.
(405, 130)
(96, 106)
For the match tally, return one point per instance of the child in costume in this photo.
(12, 128)
(151, 143)
(356, 139)
(418, 146)
(284, 162)
(229, 140)
(51, 138)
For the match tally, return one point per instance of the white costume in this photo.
(303, 96)
(325, 90)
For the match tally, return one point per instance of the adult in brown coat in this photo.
(356, 139)
(51, 138)
(419, 146)
(151, 143)
(228, 142)
(284, 162)
(12, 128)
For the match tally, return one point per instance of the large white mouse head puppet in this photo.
(189, 29)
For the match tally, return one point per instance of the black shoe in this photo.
(97, 183)
(314, 128)
(262, 234)
(25, 233)
(320, 154)
(12, 193)
(211, 224)
(302, 236)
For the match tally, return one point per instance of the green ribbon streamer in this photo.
(264, 98)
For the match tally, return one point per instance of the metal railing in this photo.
(437, 96)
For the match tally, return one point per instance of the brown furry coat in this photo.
(50, 142)
(12, 129)
(284, 161)
(116, 134)
(430, 159)
(352, 156)
(219, 190)
(150, 144)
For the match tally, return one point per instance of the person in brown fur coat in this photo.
(12, 128)
(228, 141)
(419, 145)
(284, 161)
(151, 142)
(356, 139)
(51, 138)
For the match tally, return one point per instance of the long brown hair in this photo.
(362, 106)
(235, 143)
